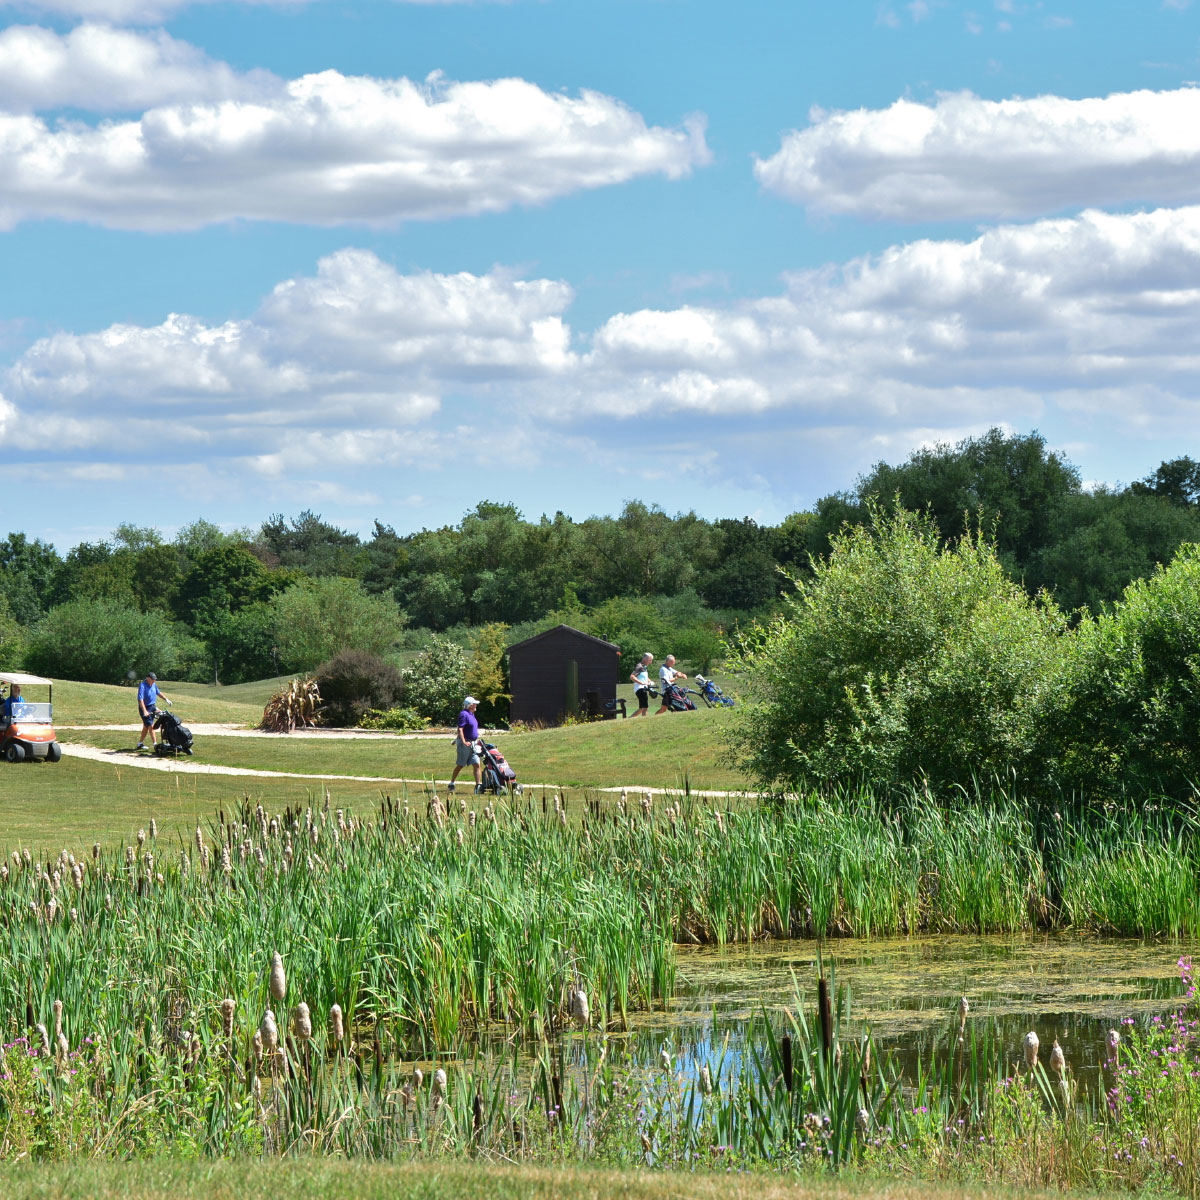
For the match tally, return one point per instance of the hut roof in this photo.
(564, 629)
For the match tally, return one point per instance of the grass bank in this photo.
(651, 752)
(309, 1179)
(103, 704)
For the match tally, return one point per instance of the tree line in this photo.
(243, 604)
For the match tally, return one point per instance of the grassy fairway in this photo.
(651, 752)
(74, 803)
(101, 704)
(325, 1180)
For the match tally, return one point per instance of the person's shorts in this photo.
(148, 719)
(643, 697)
(468, 756)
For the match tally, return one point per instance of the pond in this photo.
(907, 992)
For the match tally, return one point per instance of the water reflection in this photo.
(907, 991)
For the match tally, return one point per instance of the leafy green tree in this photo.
(318, 617)
(1133, 682)
(310, 545)
(1177, 482)
(27, 571)
(1104, 540)
(100, 641)
(136, 538)
(227, 576)
(157, 575)
(436, 680)
(12, 638)
(746, 574)
(487, 678)
(899, 659)
(1010, 483)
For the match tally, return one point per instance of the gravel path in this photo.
(187, 766)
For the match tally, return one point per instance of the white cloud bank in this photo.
(359, 366)
(101, 69)
(322, 149)
(967, 158)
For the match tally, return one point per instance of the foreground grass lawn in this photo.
(73, 803)
(650, 752)
(326, 1180)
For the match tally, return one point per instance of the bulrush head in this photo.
(141, 838)
(269, 1032)
(438, 1088)
(257, 1043)
(580, 1012)
(1058, 1062)
(227, 1007)
(705, 1081)
(153, 828)
(43, 1037)
(302, 1022)
(57, 1008)
(963, 1009)
(337, 1030)
(418, 1078)
(278, 978)
(664, 1058)
(1031, 1049)
(1113, 1043)
(62, 1050)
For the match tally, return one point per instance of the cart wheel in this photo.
(14, 752)
(53, 752)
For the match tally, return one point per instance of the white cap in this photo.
(469, 701)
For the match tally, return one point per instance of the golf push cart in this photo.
(29, 735)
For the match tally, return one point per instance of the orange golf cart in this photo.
(28, 736)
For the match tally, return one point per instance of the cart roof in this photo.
(23, 680)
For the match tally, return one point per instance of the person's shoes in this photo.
(479, 789)
(450, 788)
(141, 745)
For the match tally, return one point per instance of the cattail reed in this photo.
(269, 1032)
(1112, 1043)
(336, 1028)
(1031, 1049)
(302, 1022)
(1058, 1062)
(278, 978)
(438, 1088)
(43, 1037)
(578, 1005)
(706, 1084)
(227, 1008)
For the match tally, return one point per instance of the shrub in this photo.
(436, 680)
(298, 702)
(317, 618)
(354, 681)
(101, 641)
(899, 660)
(402, 719)
(1133, 684)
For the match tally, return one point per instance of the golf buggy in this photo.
(29, 735)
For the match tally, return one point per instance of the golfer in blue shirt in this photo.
(148, 695)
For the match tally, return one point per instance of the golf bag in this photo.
(676, 699)
(712, 695)
(496, 776)
(176, 737)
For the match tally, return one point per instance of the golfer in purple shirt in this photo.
(466, 742)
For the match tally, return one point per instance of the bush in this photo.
(436, 680)
(12, 638)
(900, 660)
(317, 618)
(101, 641)
(1133, 682)
(354, 681)
(402, 719)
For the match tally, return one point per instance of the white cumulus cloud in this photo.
(101, 69)
(330, 148)
(145, 12)
(359, 367)
(965, 157)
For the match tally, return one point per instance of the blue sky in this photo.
(390, 259)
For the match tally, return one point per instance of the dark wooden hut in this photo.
(563, 671)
